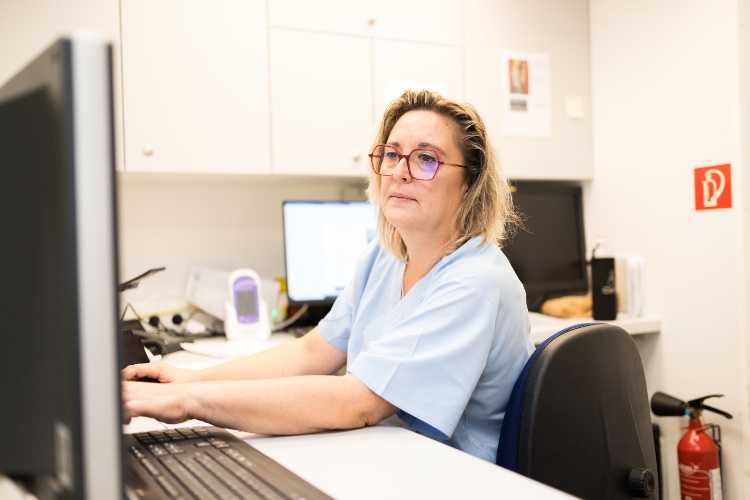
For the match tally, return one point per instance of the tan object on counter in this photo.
(572, 306)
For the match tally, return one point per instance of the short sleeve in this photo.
(433, 354)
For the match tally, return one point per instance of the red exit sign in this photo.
(713, 187)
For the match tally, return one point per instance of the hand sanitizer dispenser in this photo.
(246, 311)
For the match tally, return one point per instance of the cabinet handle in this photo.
(371, 20)
(356, 155)
(148, 150)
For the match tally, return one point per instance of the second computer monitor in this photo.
(322, 242)
(549, 254)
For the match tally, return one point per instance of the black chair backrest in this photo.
(579, 419)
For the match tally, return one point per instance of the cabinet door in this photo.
(398, 66)
(195, 86)
(436, 21)
(321, 103)
(344, 17)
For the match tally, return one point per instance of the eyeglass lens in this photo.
(422, 163)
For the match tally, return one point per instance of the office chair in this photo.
(578, 418)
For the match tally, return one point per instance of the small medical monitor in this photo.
(548, 254)
(59, 348)
(322, 242)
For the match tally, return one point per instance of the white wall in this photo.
(225, 222)
(28, 27)
(666, 99)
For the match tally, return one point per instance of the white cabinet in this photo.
(435, 21)
(320, 104)
(329, 93)
(195, 86)
(404, 65)
(336, 65)
(293, 87)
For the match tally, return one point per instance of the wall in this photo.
(225, 222)
(666, 99)
(29, 26)
(532, 26)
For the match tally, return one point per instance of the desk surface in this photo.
(387, 461)
(542, 326)
(391, 462)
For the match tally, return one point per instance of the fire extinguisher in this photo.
(698, 453)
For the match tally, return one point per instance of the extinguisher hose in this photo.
(665, 405)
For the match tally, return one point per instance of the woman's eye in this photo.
(426, 158)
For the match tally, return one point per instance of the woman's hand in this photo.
(159, 372)
(164, 402)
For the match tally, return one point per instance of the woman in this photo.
(433, 327)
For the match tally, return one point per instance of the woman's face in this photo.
(420, 208)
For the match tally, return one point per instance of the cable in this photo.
(290, 320)
(125, 310)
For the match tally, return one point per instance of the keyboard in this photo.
(204, 463)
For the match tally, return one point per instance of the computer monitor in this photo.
(549, 254)
(322, 242)
(59, 350)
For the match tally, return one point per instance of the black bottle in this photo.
(603, 285)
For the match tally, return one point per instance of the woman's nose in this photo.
(402, 169)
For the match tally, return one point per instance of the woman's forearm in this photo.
(308, 355)
(295, 405)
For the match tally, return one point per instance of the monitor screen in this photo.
(549, 254)
(322, 242)
(59, 380)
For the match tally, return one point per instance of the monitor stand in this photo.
(313, 315)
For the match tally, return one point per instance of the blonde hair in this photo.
(487, 209)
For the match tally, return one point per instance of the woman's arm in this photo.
(288, 389)
(290, 405)
(308, 355)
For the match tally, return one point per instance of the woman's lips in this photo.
(401, 196)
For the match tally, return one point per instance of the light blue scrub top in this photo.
(447, 354)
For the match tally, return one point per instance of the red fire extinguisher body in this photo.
(700, 472)
(698, 454)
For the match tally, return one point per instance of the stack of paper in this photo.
(629, 270)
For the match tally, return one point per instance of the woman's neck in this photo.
(420, 259)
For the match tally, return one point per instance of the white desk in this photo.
(387, 461)
(542, 326)
(391, 462)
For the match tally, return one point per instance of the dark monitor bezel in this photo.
(76, 437)
(538, 290)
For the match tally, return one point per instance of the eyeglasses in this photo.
(384, 159)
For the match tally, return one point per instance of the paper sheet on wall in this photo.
(526, 94)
